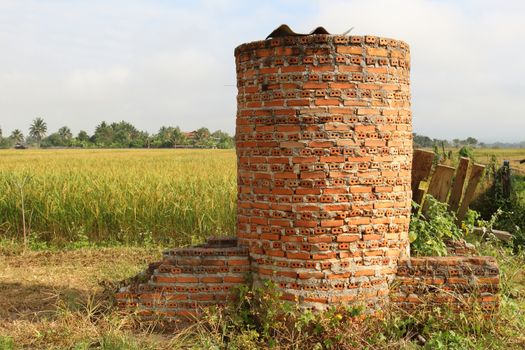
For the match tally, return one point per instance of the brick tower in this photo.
(324, 147)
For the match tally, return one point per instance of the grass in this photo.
(170, 196)
(489, 155)
(63, 300)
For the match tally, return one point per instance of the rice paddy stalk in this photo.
(173, 196)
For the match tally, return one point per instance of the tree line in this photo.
(115, 135)
(421, 141)
(124, 135)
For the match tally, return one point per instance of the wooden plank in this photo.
(421, 167)
(418, 196)
(440, 182)
(459, 184)
(473, 181)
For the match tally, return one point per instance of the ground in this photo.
(62, 299)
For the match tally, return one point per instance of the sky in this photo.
(166, 62)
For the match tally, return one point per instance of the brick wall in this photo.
(188, 279)
(324, 145)
(458, 281)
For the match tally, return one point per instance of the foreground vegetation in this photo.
(123, 196)
(63, 300)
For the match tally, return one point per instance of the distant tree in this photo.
(124, 133)
(201, 137)
(53, 140)
(103, 135)
(65, 133)
(471, 141)
(168, 137)
(222, 140)
(121, 134)
(83, 136)
(421, 141)
(38, 129)
(4, 142)
(17, 136)
(456, 143)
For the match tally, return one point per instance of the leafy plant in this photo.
(430, 231)
(6, 343)
(466, 151)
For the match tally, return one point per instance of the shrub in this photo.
(466, 151)
(430, 231)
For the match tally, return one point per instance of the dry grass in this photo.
(62, 300)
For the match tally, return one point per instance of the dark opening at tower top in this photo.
(285, 30)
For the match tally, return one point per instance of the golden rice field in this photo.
(172, 196)
(130, 196)
(513, 155)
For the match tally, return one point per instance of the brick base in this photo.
(188, 279)
(458, 281)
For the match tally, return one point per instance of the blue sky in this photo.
(157, 63)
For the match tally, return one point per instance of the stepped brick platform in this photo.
(324, 155)
(188, 279)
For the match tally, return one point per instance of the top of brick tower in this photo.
(285, 30)
(284, 35)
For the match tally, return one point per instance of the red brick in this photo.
(368, 272)
(298, 255)
(211, 279)
(332, 223)
(234, 279)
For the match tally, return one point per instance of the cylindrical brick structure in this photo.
(324, 147)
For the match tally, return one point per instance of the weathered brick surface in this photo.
(324, 145)
(458, 281)
(188, 279)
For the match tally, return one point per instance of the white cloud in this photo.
(159, 63)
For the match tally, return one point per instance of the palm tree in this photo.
(38, 129)
(17, 136)
(65, 133)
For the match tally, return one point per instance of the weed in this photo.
(430, 231)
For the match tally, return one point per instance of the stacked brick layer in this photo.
(457, 281)
(324, 145)
(186, 280)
